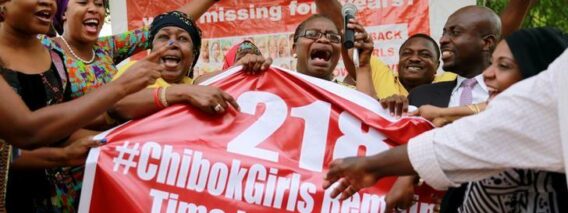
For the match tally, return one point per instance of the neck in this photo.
(83, 48)
(475, 69)
(14, 38)
(327, 77)
(409, 85)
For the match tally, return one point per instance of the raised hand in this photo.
(253, 64)
(142, 73)
(363, 42)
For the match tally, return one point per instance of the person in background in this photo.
(532, 113)
(521, 55)
(239, 51)
(470, 36)
(176, 87)
(317, 47)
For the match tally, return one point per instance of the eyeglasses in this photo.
(315, 35)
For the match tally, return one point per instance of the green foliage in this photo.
(552, 13)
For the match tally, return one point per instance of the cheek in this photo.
(504, 79)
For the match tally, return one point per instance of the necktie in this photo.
(466, 95)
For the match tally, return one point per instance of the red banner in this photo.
(269, 157)
(271, 23)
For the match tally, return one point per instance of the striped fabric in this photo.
(517, 190)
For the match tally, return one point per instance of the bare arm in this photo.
(332, 10)
(27, 130)
(196, 8)
(442, 116)
(513, 15)
(72, 154)
(205, 98)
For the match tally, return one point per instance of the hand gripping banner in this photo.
(269, 157)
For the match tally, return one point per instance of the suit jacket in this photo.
(439, 94)
(436, 94)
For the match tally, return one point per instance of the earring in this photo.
(294, 55)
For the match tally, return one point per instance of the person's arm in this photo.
(332, 10)
(72, 154)
(122, 46)
(519, 129)
(27, 130)
(442, 116)
(513, 15)
(365, 46)
(205, 98)
(196, 8)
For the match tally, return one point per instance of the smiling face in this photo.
(460, 43)
(418, 62)
(177, 61)
(503, 71)
(84, 19)
(317, 57)
(30, 16)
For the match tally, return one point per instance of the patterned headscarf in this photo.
(181, 20)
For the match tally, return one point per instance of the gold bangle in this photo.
(476, 108)
(163, 98)
(472, 109)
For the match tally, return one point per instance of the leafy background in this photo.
(552, 13)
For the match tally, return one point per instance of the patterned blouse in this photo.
(83, 78)
(109, 51)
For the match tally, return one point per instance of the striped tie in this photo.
(466, 95)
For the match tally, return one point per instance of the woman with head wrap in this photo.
(175, 87)
(91, 60)
(519, 56)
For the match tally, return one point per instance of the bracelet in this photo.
(157, 101)
(473, 108)
(477, 108)
(163, 98)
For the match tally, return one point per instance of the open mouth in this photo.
(170, 61)
(44, 15)
(92, 25)
(320, 55)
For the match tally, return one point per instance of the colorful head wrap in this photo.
(181, 20)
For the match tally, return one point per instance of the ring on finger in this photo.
(218, 108)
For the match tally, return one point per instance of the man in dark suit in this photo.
(469, 37)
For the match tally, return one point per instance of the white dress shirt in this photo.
(479, 93)
(521, 128)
